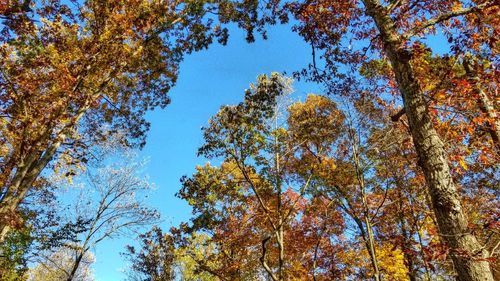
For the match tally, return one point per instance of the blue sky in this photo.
(207, 80)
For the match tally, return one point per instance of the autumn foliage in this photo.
(390, 174)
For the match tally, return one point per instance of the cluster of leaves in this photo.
(13, 262)
(154, 261)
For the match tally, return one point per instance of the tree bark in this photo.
(466, 252)
(29, 170)
(22, 182)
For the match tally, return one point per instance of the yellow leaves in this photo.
(47, 22)
(325, 167)
(66, 168)
(392, 262)
(463, 164)
(440, 96)
(457, 5)
(198, 248)
(5, 148)
(316, 120)
(231, 168)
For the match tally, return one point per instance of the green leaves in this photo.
(13, 259)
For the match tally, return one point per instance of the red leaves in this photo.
(4, 5)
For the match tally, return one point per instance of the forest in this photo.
(388, 170)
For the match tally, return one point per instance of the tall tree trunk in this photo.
(279, 186)
(24, 178)
(371, 249)
(281, 257)
(368, 236)
(466, 252)
(30, 168)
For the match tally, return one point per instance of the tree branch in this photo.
(399, 114)
(395, 4)
(446, 16)
(263, 259)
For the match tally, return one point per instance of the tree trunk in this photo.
(279, 186)
(368, 236)
(31, 167)
(371, 249)
(466, 252)
(76, 264)
(17, 190)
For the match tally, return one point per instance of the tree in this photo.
(346, 31)
(13, 260)
(188, 256)
(59, 265)
(115, 207)
(162, 256)
(251, 204)
(74, 73)
(343, 152)
(154, 260)
(260, 141)
(38, 231)
(319, 124)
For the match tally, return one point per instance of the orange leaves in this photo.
(455, 88)
(4, 5)
(64, 64)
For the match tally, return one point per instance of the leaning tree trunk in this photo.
(75, 266)
(22, 181)
(466, 252)
(29, 170)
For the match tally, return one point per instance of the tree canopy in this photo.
(390, 173)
